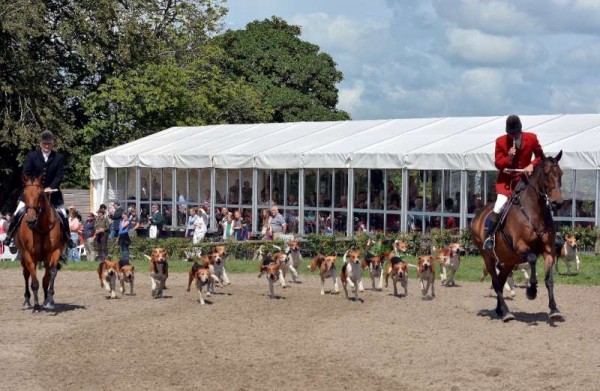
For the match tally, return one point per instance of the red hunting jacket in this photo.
(530, 147)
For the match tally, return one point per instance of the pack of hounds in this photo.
(209, 271)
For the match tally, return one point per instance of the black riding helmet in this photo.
(513, 125)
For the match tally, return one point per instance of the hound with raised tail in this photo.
(449, 257)
(426, 267)
(108, 272)
(159, 271)
(351, 273)
(326, 266)
(272, 266)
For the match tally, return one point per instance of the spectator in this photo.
(222, 218)
(416, 223)
(116, 218)
(246, 193)
(191, 223)
(89, 236)
(200, 227)
(228, 227)
(134, 223)
(238, 225)
(74, 228)
(277, 226)
(102, 228)
(265, 219)
(156, 222)
(3, 227)
(123, 237)
(203, 215)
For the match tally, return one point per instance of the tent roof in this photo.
(415, 143)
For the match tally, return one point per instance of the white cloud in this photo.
(476, 47)
(350, 98)
(497, 17)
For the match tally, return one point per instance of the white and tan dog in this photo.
(426, 269)
(510, 285)
(326, 266)
(375, 266)
(568, 253)
(201, 276)
(449, 258)
(294, 259)
(351, 273)
(400, 247)
(107, 273)
(273, 266)
(159, 271)
(126, 275)
(398, 269)
(217, 265)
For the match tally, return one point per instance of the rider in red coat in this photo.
(513, 151)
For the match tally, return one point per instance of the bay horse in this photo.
(526, 230)
(39, 239)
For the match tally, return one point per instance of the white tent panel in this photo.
(417, 143)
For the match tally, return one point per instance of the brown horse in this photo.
(39, 239)
(527, 232)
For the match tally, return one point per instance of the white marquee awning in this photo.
(459, 143)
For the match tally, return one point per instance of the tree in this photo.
(146, 100)
(56, 53)
(297, 81)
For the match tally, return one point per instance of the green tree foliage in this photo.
(100, 73)
(296, 80)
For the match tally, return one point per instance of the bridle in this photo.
(39, 211)
(543, 194)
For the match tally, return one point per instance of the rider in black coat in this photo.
(52, 165)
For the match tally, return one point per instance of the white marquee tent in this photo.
(453, 143)
(460, 143)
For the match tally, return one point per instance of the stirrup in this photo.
(489, 243)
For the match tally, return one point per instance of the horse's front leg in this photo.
(498, 281)
(29, 270)
(531, 291)
(48, 284)
(549, 281)
(27, 295)
(49, 277)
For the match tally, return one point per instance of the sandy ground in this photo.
(243, 340)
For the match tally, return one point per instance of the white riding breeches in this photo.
(21, 206)
(500, 201)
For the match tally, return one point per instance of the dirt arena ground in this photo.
(243, 340)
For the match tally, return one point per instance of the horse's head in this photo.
(549, 176)
(35, 199)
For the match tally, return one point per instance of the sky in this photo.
(439, 58)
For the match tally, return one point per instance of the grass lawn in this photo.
(470, 268)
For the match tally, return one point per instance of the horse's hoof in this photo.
(556, 315)
(508, 317)
(26, 306)
(49, 306)
(37, 308)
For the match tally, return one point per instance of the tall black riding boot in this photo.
(66, 232)
(12, 227)
(489, 241)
